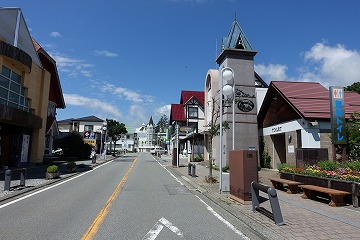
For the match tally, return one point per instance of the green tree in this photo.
(353, 87)
(115, 130)
(162, 124)
(353, 134)
(73, 146)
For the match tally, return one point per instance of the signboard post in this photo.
(337, 115)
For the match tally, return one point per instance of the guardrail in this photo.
(274, 202)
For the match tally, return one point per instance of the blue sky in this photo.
(129, 60)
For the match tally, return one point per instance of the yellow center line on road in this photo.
(94, 227)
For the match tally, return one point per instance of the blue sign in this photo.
(337, 115)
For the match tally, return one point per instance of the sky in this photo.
(130, 60)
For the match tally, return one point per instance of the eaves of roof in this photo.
(309, 100)
(177, 113)
(186, 96)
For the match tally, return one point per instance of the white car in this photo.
(158, 150)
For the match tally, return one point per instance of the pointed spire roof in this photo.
(236, 38)
(151, 122)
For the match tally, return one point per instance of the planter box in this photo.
(52, 175)
(352, 187)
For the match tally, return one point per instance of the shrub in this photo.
(281, 166)
(52, 169)
(198, 159)
(354, 165)
(74, 146)
(327, 165)
(71, 164)
(81, 165)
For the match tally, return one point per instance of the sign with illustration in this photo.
(337, 115)
(89, 135)
(245, 102)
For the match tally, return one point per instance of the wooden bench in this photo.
(336, 196)
(292, 186)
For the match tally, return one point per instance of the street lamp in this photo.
(227, 75)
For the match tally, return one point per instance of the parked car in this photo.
(158, 150)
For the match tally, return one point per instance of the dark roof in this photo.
(187, 95)
(65, 121)
(151, 122)
(177, 113)
(287, 101)
(83, 119)
(236, 38)
(89, 119)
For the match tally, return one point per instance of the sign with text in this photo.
(91, 142)
(337, 115)
(186, 129)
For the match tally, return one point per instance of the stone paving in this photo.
(303, 218)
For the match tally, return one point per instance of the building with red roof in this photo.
(187, 118)
(295, 117)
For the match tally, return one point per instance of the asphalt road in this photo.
(132, 197)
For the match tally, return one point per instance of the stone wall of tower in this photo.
(246, 127)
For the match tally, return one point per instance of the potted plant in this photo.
(71, 166)
(52, 172)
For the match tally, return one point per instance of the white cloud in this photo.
(55, 34)
(272, 72)
(330, 66)
(72, 66)
(334, 65)
(92, 103)
(105, 53)
(126, 93)
(164, 110)
(137, 115)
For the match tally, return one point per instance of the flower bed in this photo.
(340, 176)
(327, 169)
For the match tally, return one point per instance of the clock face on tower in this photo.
(245, 105)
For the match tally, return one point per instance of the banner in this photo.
(337, 115)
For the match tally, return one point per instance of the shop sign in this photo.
(91, 142)
(186, 129)
(337, 115)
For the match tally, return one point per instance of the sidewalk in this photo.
(35, 178)
(303, 218)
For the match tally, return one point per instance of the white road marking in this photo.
(168, 171)
(222, 219)
(154, 232)
(156, 229)
(52, 186)
(185, 178)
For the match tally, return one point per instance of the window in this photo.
(193, 112)
(11, 91)
(51, 109)
(88, 128)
